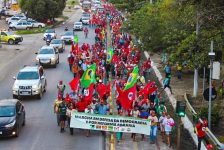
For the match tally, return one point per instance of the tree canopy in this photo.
(170, 26)
(42, 9)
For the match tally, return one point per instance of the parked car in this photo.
(20, 25)
(15, 18)
(58, 44)
(78, 26)
(85, 20)
(51, 32)
(30, 81)
(36, 24)
(48, 56)
(10, 37)
(12, 20)
(68, 37)
(12, 117)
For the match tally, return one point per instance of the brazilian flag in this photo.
(110, 54)
(76, 39)
(132, 79)
(88, 76)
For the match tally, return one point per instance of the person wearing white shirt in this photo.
(88, 110)
(135, 113)
(161, 119)
(168, 123)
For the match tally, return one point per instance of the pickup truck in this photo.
(10, 38)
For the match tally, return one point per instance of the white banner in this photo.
(109, 123)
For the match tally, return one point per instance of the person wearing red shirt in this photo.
(81, 104)
(200, 129)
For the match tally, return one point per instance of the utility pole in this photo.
(211, 56)
(195, 92)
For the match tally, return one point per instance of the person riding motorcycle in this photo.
(66, 28)
(48, 39)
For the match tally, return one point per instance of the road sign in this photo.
(206, 94)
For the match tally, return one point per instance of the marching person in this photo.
(70, 60)
(200, 129)
(61, 88)
(162, 130)
(62, 112)
(86, 31)
(56, 104)
(168, 124)
(90, 111)
(154, 122)
(135, 113)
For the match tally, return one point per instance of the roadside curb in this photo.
(185, 120)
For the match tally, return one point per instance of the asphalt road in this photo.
(41, 131)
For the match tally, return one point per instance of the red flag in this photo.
(127, 97)
(73, 48)
(74, 84)
(115, 59)
(88, 93)
(76, 48)
(148, 89)
(103, 89)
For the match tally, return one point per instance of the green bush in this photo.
(31, 31)
(216, 114)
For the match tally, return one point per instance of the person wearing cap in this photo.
(56, 104)
(168, 124)
(61, 88)
(200, 130)
(153, 131)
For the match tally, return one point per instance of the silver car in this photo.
(47, 56)
(78, 26)
(68, 37)
(30, 81)
(58, 44)
(20, 26)
(85, 20)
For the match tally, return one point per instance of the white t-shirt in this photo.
(161, 118)
(135, 113)
(89, 111)
(168, 124)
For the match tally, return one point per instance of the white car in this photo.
(47, 56)
(68, 37)
(78, 26)
(15, 18)
(20, 25)
(51, 32)
(85, 20)
(58, 44)
(12, 20)
(36, 24)
(30, 81)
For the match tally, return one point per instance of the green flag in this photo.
(88, 76)
(76, 38)
(132, 79)
(110, 54)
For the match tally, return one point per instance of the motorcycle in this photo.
(48, 41)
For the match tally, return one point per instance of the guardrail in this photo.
(214, 139)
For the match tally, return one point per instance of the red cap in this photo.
(60, 82)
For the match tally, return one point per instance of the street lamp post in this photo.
(211, 56)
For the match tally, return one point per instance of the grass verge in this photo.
(32, 31)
